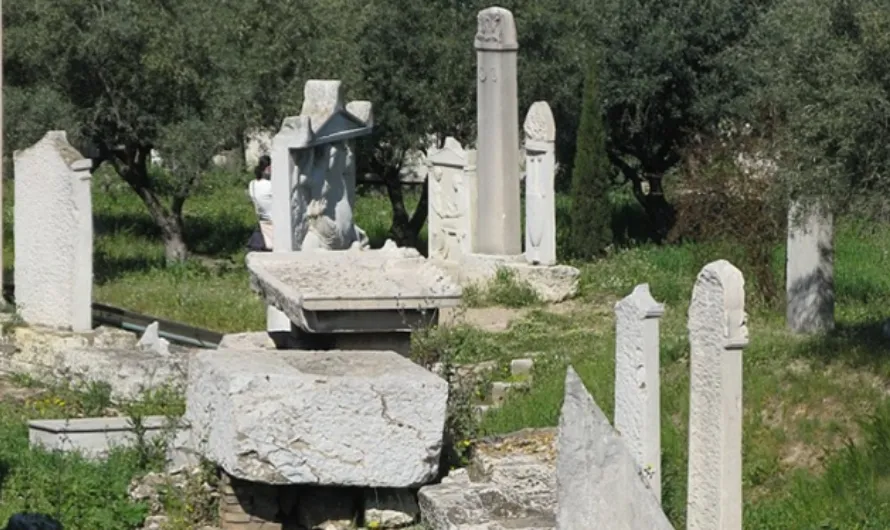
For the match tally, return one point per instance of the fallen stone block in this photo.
(356, 418)
(510, 483)
(100, 356)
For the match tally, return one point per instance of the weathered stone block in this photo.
(330, 418)
(552, 284)
(352, 291)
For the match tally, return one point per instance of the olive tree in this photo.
(185, 78)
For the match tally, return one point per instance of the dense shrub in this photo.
(591, 178)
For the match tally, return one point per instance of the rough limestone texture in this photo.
(356, 418)
(103, 355)
(638, 380)
(810, 269)
(298, 283)
(540, 172)
(552, 284)
(249, 340)
(449, 221)
(599, 484)
(390, 508)
(498, 220)
(717, 334)
(53, 235)
(151, 341)
(510, 483)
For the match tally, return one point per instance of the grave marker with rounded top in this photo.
(540, 169)
(717, 334)
(637, 385)
(498, 221)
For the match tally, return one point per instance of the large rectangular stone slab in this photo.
(95, 437)
(353, 291)
(335, 418)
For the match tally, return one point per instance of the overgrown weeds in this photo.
(505, 289)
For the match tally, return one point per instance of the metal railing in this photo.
(175, 332)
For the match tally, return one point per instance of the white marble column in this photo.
(498, 223)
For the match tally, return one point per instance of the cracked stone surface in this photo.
(356, 418)
(325, 280)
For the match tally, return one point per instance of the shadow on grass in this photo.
(862, 345)
(109, 268)
(33, 521)
(219, 237)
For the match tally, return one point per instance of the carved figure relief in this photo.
(321, 207)
(448, 217)
(489, 27)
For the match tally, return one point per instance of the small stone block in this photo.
(499, 392)
(521, 367)
(390, 508)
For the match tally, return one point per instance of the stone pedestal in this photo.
(498, 223)
(367, 300)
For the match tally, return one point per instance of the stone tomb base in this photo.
(352, 300)
(552, 283)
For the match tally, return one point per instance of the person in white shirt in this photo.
(260, 191)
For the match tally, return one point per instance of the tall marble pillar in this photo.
(497, 225)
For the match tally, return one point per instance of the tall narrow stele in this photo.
(498, 231)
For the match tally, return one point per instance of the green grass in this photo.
(804, 397)
(80, 493)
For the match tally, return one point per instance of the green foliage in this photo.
(668, 74)
(591, 179)
(721, 204)
(127, 77)
(443, 346)
(823, 97)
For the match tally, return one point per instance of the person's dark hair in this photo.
(265, 161)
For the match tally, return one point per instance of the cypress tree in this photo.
(591, 178)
